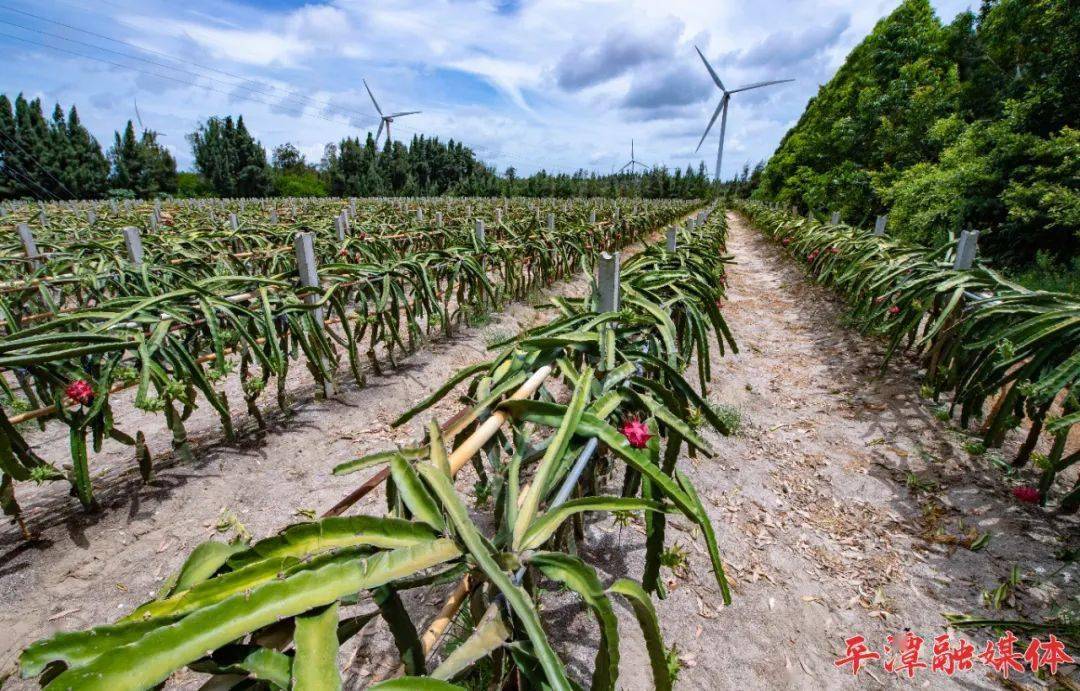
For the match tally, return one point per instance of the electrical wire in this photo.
(37, 162)
(296, 96)
(26, 180)
(161, 76)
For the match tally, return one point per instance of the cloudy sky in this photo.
(554, 84)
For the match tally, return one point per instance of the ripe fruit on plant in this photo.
(812, 256)
(80, 391)
(1027, 494)
(636, 433)
(894, 310)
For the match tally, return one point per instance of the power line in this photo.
(159, 76)
(210, 88)
(26, 179)
(37, 162)
(297, 98)
(140, 59)
(307, 100)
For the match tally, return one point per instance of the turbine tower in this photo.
(723, 106)
(385, 120)
(633, 162)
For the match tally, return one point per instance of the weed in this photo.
(493, 338)
(482, 490)
(918, 485)
(478, 318)
(1005, 592)
(731, 418)
(675, 558)
(228, 522)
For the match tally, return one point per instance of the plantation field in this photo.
(227, 278)
(840, 500)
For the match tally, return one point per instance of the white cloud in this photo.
(558, 84)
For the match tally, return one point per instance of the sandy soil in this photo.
(816, 517)
(822, 534)
(87, 569)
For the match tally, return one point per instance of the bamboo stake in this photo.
(458, 458)
(446, 615)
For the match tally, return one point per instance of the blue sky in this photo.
(555, 84)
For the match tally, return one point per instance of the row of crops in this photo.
(82, 321)
(1003, 355)
(560, 415)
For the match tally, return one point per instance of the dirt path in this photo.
(812, 505)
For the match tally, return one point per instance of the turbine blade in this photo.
(408, 112)
(711, 71)
(716, 113)
(137, 116)
(624, 167)
(379, 133)
(372, 97)
(759, 85)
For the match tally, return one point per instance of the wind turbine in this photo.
(141, 125)
(723, 105)
(385, 119)
(632, 162)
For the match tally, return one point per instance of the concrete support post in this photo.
(29, 246)
(879, 225)
(339, 226)
(965, 249)
(309, 278)
(133, 243)
(607, 282)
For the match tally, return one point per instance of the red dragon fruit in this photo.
(1027, 494)
(636, 432)
(80, 391)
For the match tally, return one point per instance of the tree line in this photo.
(971, 124)
(60, 159)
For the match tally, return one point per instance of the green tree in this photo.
(292, 175)
(141, 167)
(230, 159)
(947, 127)
(47, 159)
